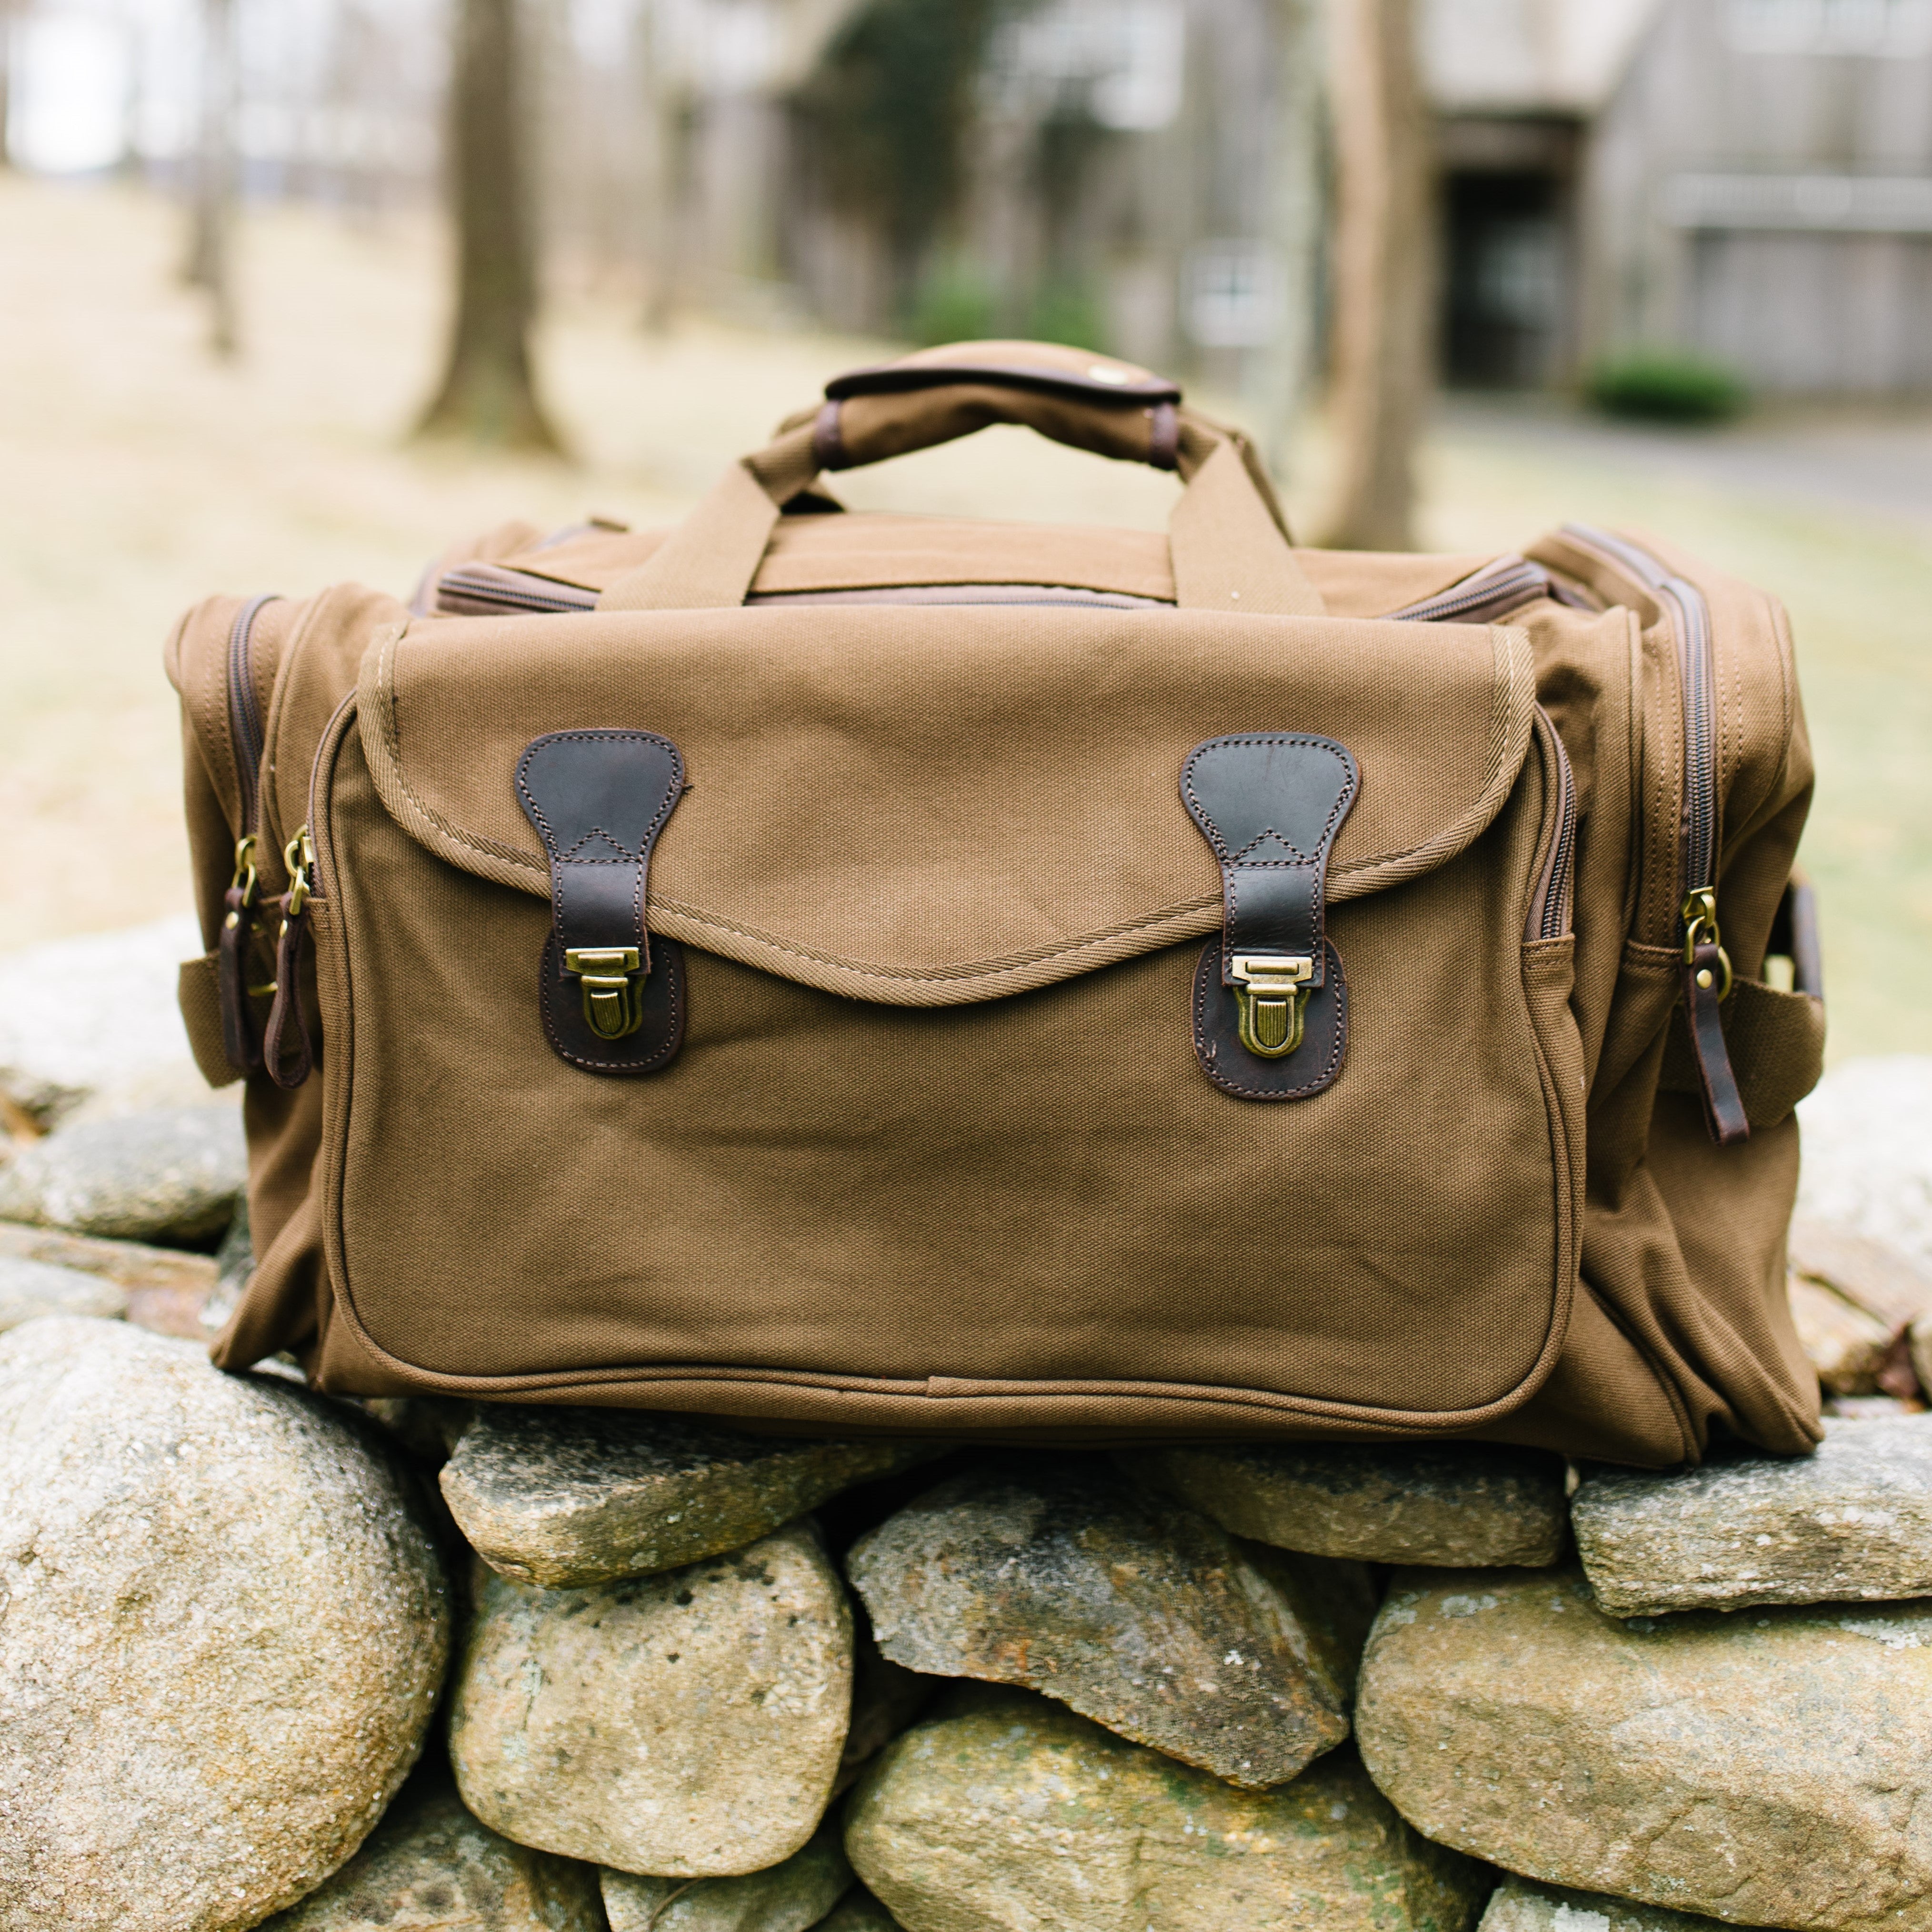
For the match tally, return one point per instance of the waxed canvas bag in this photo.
(856, 973)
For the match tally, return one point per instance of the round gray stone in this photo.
(685, 1725)
(430, 1866)
(1013, 1814)
(1772, 1767)
(30, 1289)
(1461, 1505)
(1056, 1574)
(1867, 1162)
(564, 1498)
(1851, 1523)
(792, 1897)
(223, 1625)
(170, 1175)
(95, 1017)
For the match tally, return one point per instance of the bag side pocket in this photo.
(1777, 1047)
(199, 991)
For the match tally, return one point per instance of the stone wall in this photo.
(268, 1658)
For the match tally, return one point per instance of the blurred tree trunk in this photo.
(663, 145)
(1294, 225)
(210, 264)
(487, 394)
(6, 81)
(1383, 352)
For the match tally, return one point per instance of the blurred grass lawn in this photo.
(136, 475)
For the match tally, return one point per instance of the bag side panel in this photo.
(1692, 1261)
(196, 659)
(1709, 1314)
(304, 656)
(1605, 1399)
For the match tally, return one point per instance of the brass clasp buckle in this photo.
(1271, 992)
(613, 988)
(1699, 914)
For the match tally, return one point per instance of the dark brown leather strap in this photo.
(599, 799)
(1116, 385)
(1269, 805)
(234, 950)
(828, 444)
(1705, 972)
(285, 1052)
(1795, 934)
(1164, 436)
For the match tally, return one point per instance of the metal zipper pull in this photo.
(285, 1048)
(1699, 915)
(234, 945)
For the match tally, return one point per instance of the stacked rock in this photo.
(692, 1679)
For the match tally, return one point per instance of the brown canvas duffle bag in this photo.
(853, 972)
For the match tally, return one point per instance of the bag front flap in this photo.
(930, 805)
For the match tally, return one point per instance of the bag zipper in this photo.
(486, 589)
(1497, 588)
(244, 710)
(1689, 617)
(234, 948)
(1707, 966)
(1550, 908)
(482, 589)
(286, 1056)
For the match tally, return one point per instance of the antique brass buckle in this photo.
(613, 988)
(1271, 992)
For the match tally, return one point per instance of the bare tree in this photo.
(1384, 273)
(1294, 218)
(6, 81)
(663, 144)
(487, 393)
(210, 265)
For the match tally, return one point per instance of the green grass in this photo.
(1859, 591)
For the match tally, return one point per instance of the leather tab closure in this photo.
(1707, 984)
(1271, 1010)
(612, 1002)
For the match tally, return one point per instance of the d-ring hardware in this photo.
(1271, 992)
(613, 988)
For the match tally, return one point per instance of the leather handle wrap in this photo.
(1088, 402)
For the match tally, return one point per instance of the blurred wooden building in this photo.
(1749, 179)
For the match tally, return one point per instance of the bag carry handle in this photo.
(1228, 536)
